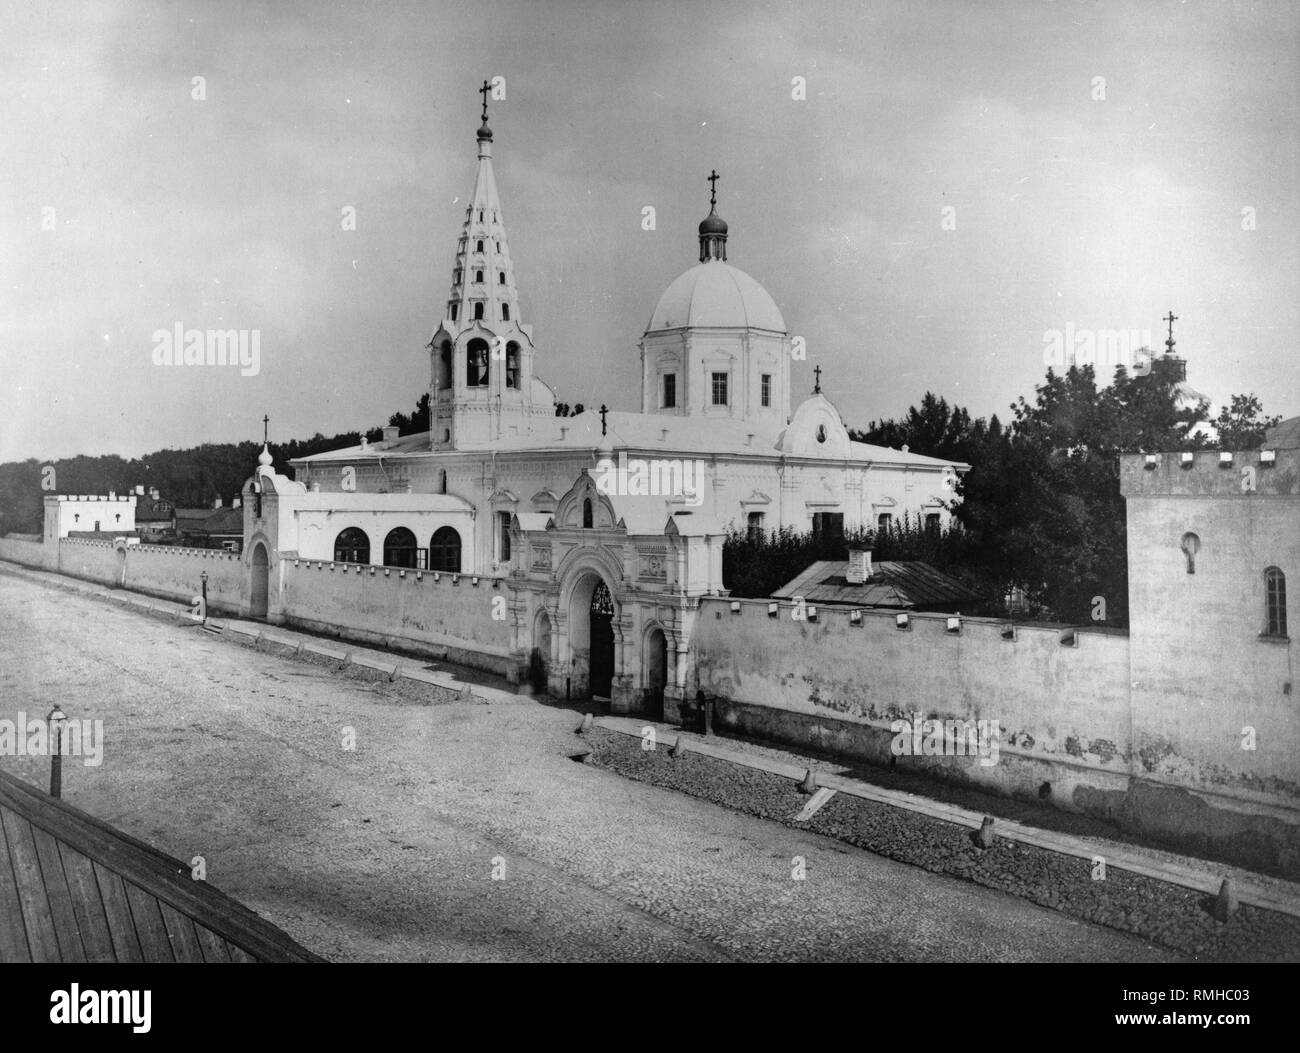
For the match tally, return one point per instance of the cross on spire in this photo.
(1171, 318)
(266, 422)
(817, 387)
(713, 188)
(603, 411)
(484, 92)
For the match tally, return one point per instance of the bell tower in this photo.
(482, 355)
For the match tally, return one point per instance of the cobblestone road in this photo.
(386, 852)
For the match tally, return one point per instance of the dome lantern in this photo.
(713, 229)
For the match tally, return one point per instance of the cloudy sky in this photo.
(127, 205)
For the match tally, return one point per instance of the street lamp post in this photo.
(56, 720)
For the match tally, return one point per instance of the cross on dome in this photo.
(713, 230)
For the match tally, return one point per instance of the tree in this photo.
(1240, 426)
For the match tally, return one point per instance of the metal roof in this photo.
(908, 584)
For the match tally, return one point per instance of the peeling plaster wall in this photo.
(1206, 682)
(1064, 714)
(1053, 702)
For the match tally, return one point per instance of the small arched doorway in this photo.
(539, 661)
(257, 603)
(602, 641)
(591, 638)
(656, 672)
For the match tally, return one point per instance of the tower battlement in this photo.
(1210, 473)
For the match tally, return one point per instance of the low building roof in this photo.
(902, 584)
(221, 521)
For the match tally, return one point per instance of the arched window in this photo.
(476, 363)
(352, 546)
(501, 278)
(453, 312)
(444, 550)
(512, 364)
(478, 311)
(478, 247)
(400, 549)
(444, 366)
(480, 219)
(478, 276)
(505, 312)
(1190, 545)
(586, 513)
(1275, 602)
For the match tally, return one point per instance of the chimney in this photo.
(139, 489)
(390, 434)
(216, 503)
(235, 503)
(859, 565)
(153, 492)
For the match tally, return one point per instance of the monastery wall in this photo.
(443, 615)
(1065, 713)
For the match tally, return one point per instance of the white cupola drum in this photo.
(716, 345)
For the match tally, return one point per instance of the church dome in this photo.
(713, 224)
(716, 294)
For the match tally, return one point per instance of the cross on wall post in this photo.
(1171, 318)
(484, 92)
(266, 421)
(817, 385)
(603, 411)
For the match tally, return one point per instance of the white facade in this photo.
(498, 465)
(65, 513)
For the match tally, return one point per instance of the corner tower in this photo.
(716, 345)
(482, 386)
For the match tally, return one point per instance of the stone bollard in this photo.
(809, 784)
(983, 837)
(678, 747)
(586, 724)
(1226, 905)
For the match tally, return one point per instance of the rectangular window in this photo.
(883, 520)
(1275, 601)
(755, 526)
(932, 522)
(504, 547)
(765, 393)
(828, 527)
(720, 389)
(670, 390)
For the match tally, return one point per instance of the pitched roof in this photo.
(221, 521)
(904, 584)
(74, 889)
(1283, 436)
(655, 433)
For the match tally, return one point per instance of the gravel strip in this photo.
(1166, 914)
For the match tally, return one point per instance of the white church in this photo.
(604, 529)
